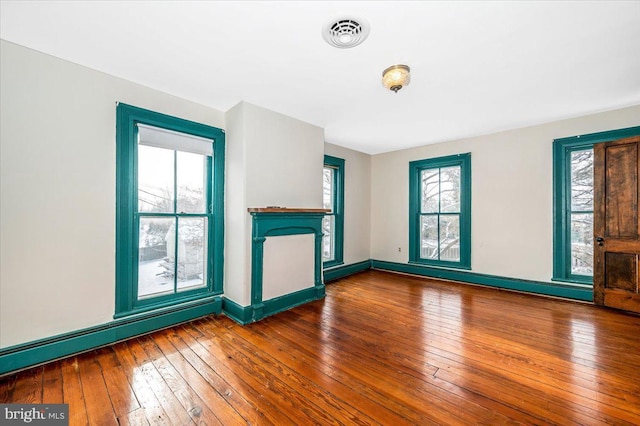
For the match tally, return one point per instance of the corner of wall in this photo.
(236, 237)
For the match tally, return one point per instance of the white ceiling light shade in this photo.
(396, 77)
(345, 32)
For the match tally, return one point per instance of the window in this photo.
(333, 222)
(573, 204)
(169, 220)
(440, 211)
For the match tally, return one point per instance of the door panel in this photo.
(621, 271)
(621, 183)
(616, 278)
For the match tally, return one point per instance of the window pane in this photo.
(430, 190)
(155, 267)
(328, 225)
(582, 180)
(191, 175)
(155, 179)
(327, 188)
(450, 189)
(192, 252)
(429, 237)
(582, 244)
(450, 238)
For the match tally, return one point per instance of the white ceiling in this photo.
(477, 67)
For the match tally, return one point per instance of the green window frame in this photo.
(205, 225)
(333, 222)
(425, 211)
(564, 150)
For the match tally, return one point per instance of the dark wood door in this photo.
(616, 227)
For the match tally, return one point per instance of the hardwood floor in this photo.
(380, 349)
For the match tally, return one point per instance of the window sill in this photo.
(169, 305)
(576, 282)
(439, 265)
(331, 264)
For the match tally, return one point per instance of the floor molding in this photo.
(569, 291)
(39, 351)
(248, 314)
(332, 274)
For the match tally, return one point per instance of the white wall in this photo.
(57, 217)
(284, 160)
(275, 160)
(57, 188)
(357, 200)
(511, 195)
(289, 265)
(237, 254)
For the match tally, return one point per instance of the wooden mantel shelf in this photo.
(285, 210)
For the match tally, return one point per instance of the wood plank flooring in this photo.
(381, 349)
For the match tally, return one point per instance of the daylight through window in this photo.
(170, 212)
(573, 205)
(329, 221)
(333, 222)
(581, 212)
(440, 211)
(173, 195)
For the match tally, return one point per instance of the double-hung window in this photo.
(169, 210)
(333, 222)
(440, 211)
(573, 204)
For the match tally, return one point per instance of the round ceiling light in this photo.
(345, 32)
(396, 77)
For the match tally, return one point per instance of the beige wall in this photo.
(283, 158)
(57, 188)
(357, 200)
(511, 194)
(237, 252)
(272, 160)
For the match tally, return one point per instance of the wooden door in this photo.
(616, 230)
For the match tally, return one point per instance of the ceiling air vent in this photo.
(345, 32)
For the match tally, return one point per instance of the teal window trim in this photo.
(415, 170)
(127, 216)
(562, 149)
(338, 209)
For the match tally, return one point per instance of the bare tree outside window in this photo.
(440, 219)
(328, 222)
(582, 212)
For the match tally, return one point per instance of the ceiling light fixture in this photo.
(345, 32)
(396, 77)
